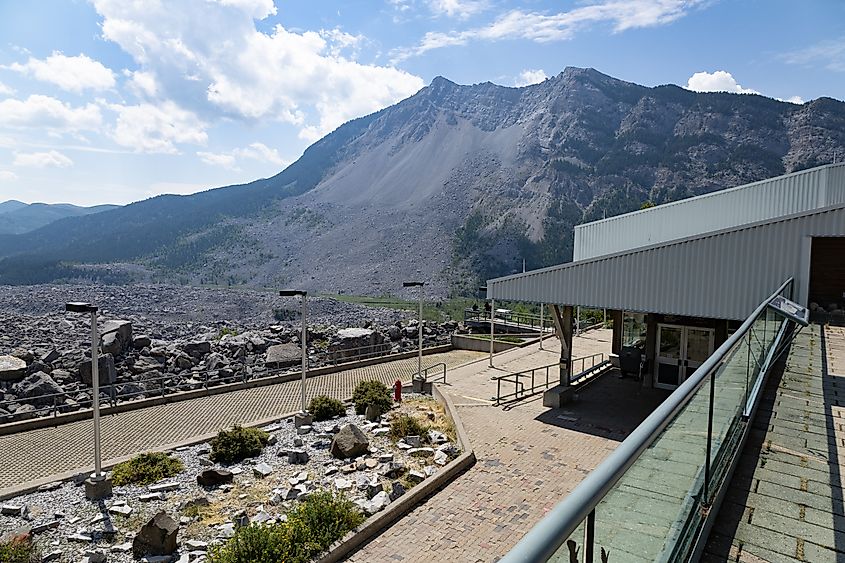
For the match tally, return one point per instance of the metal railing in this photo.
(521, 319)
(682, 454)
(112, 394)
(521, 391)
(440, 367)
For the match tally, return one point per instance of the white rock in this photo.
(262, 470)
(164, 487)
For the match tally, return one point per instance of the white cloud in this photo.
(42, 159)
(155, 128)
(457, 8)
(142, 84)
(255, 151)
(530, 76)
(209, 57)
(718, 81)
(543, 28)
(793, 100)
(8, 176)
(44, 112)
(829, 54)
(73, 74)
(5, 90)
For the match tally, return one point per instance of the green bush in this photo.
(371, 393)
(312, 526)
(19, 550)
(406, 425)
(238, 444)
(324, 407)
(144, 469)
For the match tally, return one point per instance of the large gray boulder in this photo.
(197, 349)
(349, 442)
(283, 356)
(107, 371)
(116, 337)
(156, 537)
(12, 368)
(36, 385)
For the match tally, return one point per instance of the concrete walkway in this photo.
(529, 458)
(44, 453)
(785, 502)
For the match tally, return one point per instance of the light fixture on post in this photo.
(303, 418)
(419, 326)
(97, 486)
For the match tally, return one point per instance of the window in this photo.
(633, 330)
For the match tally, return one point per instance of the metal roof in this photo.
(806, 190)
(722, 274)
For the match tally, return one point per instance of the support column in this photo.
(563, 319)
(616, 341)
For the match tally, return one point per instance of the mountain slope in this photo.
(17, 217)
(453, 184)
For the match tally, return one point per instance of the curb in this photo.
(86, 414)
(377, 523)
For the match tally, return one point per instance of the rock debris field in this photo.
(162, 339)
(186, 517)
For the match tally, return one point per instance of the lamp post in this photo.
(492, 323)
(420, 327)
(97, 486)
(303, 418)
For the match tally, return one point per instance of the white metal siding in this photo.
(719, 275)
(777, 197)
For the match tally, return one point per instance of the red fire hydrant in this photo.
(397, 391)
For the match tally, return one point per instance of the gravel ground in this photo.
(69, 513)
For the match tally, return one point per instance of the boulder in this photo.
(12, 368)
(131, 389)
(349, 442)
(36, 385)
(116, 337)
(141, 342)
(197, 349)
(156, 537)
(50, 357)
(214, 477)
(106, 368)
(283, 356)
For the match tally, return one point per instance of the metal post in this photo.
(419, 352)
(95, 383)
(304, 343)
(542, 331)
(492, 325)
(589, 536)
(706, 492)
(578, 320)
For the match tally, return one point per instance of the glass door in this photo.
(669, 356)
(699, 347)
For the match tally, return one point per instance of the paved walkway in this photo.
(38, 454)
(529, 458)
(785, 502)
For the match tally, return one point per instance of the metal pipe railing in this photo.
(520, 391)
(545, 538)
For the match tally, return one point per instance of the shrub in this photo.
(311, 527)
(371, 393)
(147, 468)
(238, 444)
(19, 550)
(406, 425)
(324, 407)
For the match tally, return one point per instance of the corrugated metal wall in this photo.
(719, 275)
(777, 197)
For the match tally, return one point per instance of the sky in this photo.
(115, 101)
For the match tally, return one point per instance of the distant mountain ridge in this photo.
(17, 217)
(452, 185)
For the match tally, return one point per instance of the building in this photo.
(678, 278)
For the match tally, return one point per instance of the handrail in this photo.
(548, 535)
(519, 387)
(440, 366)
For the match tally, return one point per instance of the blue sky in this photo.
(113, 101)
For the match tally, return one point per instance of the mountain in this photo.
(17, 217)
(452, 185)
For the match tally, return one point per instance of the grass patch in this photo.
(146, 468)
(237, 444)
(407, 425)
(312, 526)
(370, 392)
(324, 407)
(19, 550)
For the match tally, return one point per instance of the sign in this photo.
(790, 310)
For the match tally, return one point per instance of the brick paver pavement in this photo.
(785, 500)
(529, 458)
(37, 454)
